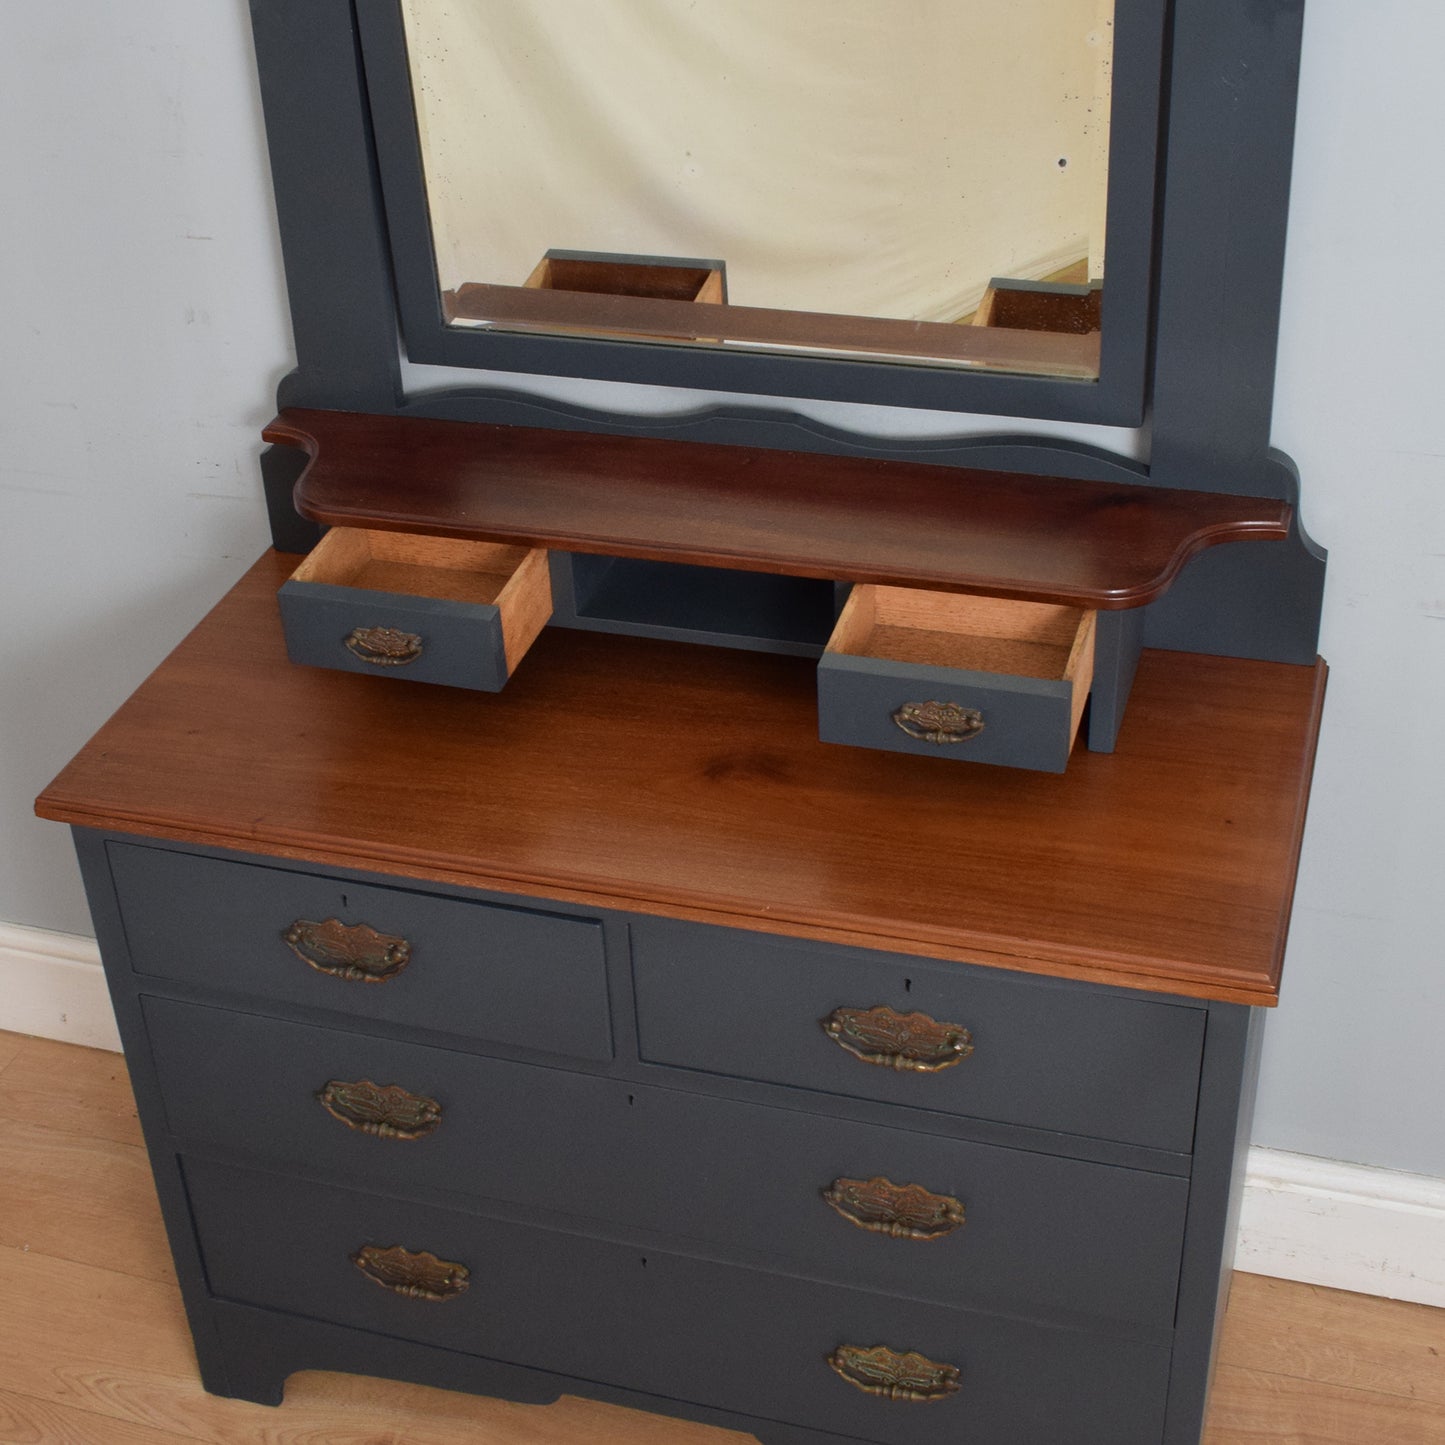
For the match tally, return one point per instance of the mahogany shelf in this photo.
(856, 519)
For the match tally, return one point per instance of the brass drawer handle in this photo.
(385, 1110)
(939, 722)
(383, 646)
(416, 1276)
(898, 1041)
(880, 1371)
(353, 951)
(901, 1211)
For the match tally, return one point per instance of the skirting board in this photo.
(52, 986)
(1372, 1231)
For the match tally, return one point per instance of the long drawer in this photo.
(502, 975)
(663, 1323)
(948, 1037)
(988, 1228)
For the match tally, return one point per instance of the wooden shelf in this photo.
(855, 519)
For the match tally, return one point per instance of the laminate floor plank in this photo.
(1387, 1347)
(10, 1046)
(39, 1422)
(70, 1090)
(94, 1348)
(1253, 1407)
(82, 1199)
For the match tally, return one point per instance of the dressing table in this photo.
(634, 918)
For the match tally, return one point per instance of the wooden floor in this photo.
(94, 1349)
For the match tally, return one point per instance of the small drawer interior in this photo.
(419, 566)
(513, 579)
(970, 634)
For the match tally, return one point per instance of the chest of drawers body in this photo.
(637, 1157)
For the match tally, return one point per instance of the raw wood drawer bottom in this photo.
(666, 1324)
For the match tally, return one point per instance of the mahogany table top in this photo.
(688, 781)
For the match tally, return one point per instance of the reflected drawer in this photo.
(993, 1229)
(973, 679)
(991, 1045)
(429, 609)
(505, 975)
(659, 1322)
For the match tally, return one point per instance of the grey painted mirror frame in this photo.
(1116, 396)
(1210, 304)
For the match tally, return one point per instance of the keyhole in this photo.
(907, 985)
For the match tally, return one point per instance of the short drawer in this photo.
(973, 679)
(1071, 1058)
(661, 1322)
(956, 1223)
(504, 975)
(429, 609)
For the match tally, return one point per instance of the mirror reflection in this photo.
(919, 180)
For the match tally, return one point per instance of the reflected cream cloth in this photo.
(870, 157)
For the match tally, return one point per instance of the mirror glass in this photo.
(911, 180)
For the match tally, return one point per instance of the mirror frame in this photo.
(1117, 396)
(1232, 73)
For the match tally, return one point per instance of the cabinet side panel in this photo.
(1233, 1038)
(170, 1188)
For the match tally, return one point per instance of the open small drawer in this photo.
(424, 608)
(979, 679)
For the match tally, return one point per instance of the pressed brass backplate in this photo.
(939, 722)
(909, 1377)
(384, 646)
(352, 951)
(385, 1110)
(892, 1040)
(420, 1275)
(902, 1211)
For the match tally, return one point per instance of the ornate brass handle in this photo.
(354, 951)
(416, 1276)
(898, 1041)
(901, 1211)
(385, 1110)
(383, 646)
(939, 722)
(881, 1371)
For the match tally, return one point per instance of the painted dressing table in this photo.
(588, 1023)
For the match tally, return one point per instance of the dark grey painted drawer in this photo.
(425, 609)
(1041, 1233)
(507, 975)
(1052, 1056)
(970, 679)
(731, 1338)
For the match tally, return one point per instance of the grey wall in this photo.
(145, 327)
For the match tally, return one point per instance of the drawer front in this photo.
(1037, 1233)
(456, 643)
(1048, 1056)
(1025, 722)
(505, 975)
(730, 1338)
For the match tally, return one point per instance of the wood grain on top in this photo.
(857, 519)
(688, 781)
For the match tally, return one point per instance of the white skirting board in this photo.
(1373, 1231)
(51, 985)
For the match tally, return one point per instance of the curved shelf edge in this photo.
(1102, 545)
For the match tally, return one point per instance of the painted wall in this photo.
(146, 328)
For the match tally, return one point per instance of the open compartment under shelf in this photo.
(757, 611)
